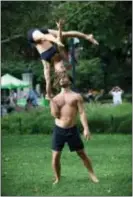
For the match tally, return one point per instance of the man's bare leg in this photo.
(88, 165)
(56, 165)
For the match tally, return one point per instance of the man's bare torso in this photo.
(67, 103)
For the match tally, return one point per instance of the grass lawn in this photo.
(26, 167)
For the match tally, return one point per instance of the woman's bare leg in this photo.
(59, 70)
(59, 26)
(59, 37)
(77, 34)
(46, 67)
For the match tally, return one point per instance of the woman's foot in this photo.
(60, 23)
(59, 43)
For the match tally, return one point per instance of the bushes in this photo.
(102, 118)
(125, 126)
(34, 122)
(108, 118)
(128, 97)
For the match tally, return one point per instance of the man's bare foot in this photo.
(91, 38)
(56, 181)
(94, 178)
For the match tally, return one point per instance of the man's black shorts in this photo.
(66, 135)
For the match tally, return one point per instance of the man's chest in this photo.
(66, 100)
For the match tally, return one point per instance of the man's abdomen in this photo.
(68, 115)
(65, 122)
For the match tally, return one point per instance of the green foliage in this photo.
(125, 126)
(35, 121)
(17, 17)
(102, 118)
(16, 68)
(109, 21)
(89, 74)
(104, 19)
(128, 97)
(107, 118)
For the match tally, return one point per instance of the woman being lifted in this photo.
(48, 44)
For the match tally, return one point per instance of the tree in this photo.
(109, 21)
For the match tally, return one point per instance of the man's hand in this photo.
(87, 134)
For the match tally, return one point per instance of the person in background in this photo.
(99, 95)
(11, 100)
(32, 96)
(116, 92)
(28, 105)
(90, 95)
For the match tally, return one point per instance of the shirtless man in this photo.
(65, 108)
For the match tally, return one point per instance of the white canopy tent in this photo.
(10, 82)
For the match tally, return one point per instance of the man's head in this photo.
(65, 81)
(117, 89)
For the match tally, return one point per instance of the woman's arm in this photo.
(38, 35)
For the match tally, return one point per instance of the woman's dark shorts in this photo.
(71, 136)
(47, 55)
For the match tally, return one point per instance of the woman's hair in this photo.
(70, 78)
(56, 58)
(58, 76)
